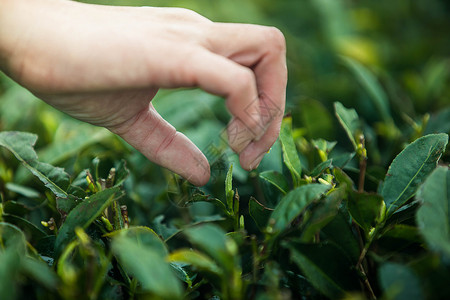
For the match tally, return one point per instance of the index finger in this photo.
(263, 49)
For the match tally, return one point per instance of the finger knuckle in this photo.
(244, 79)
(275, 39)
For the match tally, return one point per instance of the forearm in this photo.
(22, 34)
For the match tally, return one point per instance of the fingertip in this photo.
(200, 175)
(250, 158)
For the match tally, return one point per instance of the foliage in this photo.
(353, 206)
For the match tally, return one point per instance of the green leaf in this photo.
(315, 117)
(9, 270)
(340, 232)
(212, 240)
(323, 214)
(40, 272)
(66, 204)
(410, 168)
(320, 168)
(343, 178)
(294, 203)
(196, 259)
(142, 235)
(369, 82)
(12, 237)
(148, 266)
(83, 215)
(406, 233)
(122, 173)
(399, 282)
(259, 213)
(340, 161)
(21, 145)
(182, 273)
(439, 122)
(368, 210)
(276, 179)
(349, 120)
(290, 155)
(22, 190)
(229, 188)
(326, 268)
(71, 141)
(433, 217)
(34, 232)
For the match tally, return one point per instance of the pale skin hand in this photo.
(103, 65)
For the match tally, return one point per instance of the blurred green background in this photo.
(390, 60)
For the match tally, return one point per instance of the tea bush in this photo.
(350, 203)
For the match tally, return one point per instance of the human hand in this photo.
(104, 65)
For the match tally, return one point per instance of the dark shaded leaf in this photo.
(259, 213)
(339, 231)
(326, 267)
(368, 210)
(34, 233)
(399, 282)
(40, 272)
(325, 211)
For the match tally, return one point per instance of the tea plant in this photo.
(350, 203)
(315, 233)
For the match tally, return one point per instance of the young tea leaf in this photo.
(196, 259)
(229, 188)
(433, 217)
(349, 120)
(410, 168)
(290, 155)
(369, 82)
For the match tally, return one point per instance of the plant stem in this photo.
(367, 284)
(362, 174)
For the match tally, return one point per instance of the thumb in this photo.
(159, 141)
